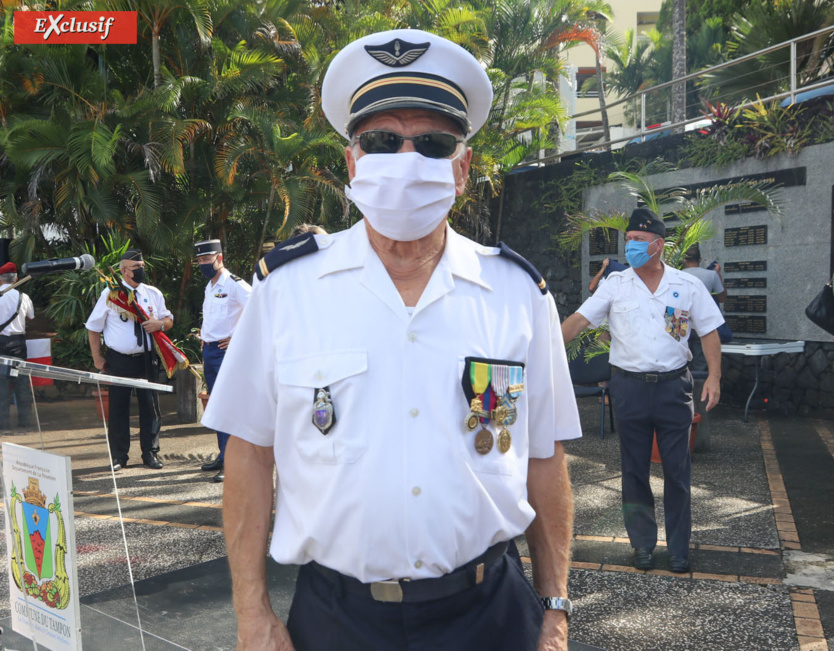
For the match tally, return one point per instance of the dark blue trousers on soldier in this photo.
(642, 408)
(333, 612)
(212, 359)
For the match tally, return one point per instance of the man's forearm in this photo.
(247, 509)
(95, 343)
(549, 535)
(711, 345)
(573, 325)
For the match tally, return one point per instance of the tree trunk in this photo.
(606, 129)
(679, 62)
(157, 77)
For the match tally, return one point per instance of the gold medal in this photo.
(505, 440)
(483, 441)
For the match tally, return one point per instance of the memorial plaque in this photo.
(745, 235)
(745, 304)
(742, 208)
(745, 283)
(745, 266)
(748, 324)
(594, 266)
(603, 241)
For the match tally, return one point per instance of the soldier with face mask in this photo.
(130, 353)
(226, 296)
(411, 388)
(651, 310)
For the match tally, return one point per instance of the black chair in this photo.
(586, 378)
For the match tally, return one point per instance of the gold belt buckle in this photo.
(390, 591)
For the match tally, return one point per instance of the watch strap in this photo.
(558, 603)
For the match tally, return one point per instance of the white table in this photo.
(758, 348)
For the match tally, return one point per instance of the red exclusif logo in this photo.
(90, 27)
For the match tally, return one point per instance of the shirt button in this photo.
(416, 491)
(418, 564)
(414, 412)
(412, 336)
(319, 375)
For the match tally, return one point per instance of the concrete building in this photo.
(638, 15)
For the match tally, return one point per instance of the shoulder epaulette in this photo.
(237, 279)
(293, 248)
(506, 252)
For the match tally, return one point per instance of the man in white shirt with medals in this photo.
(651, 309)
(225, 297)
(130, 353)
(15, 308)
(411, 388)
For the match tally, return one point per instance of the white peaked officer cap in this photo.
(405, 68)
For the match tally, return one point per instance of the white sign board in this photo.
(40, 538)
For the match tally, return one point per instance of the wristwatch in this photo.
(558, 603)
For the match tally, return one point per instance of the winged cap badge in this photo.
(397, 53)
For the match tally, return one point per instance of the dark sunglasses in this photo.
(430, 145)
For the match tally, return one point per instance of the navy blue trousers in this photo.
(503, 612)
(212, 359)
(642, 408)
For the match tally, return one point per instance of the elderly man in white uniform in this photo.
(651, 310)
(411, 388)
(15, 308)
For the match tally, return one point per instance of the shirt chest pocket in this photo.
(623, 316)
(217, 307)
(343, 374)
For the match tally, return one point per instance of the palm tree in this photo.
(767, 23)
(689, 211)
(679, 62)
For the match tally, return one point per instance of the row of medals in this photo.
(504, 414)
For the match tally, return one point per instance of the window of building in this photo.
(582, 76)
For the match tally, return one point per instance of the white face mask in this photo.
(403, 196)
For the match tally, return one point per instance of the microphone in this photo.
(84, 263)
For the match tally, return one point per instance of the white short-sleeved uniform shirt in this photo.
(8, 304)
(396, 488)
(650, 332)
(119, 331)
(222, 306)
(710, 278)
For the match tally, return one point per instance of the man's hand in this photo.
(712, 392)
(262, 632)
(99, 362)
(153, 325)
(223, 344)
(554, 635)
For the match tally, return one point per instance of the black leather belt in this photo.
(116, 352)
(664, 376)
(408, 591)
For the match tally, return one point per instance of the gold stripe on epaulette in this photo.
(263, 267)
(542, 284)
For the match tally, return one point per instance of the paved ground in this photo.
(763, 540)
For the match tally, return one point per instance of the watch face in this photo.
(558, 603)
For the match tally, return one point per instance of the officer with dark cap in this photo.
(651, 310)
(130, 353)
(15, 308)
(411, 389)
(225, 297)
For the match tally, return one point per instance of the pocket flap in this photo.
(625, 306)
(322, 370)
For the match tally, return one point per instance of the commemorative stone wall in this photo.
(772, 266)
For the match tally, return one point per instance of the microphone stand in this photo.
(17, 283)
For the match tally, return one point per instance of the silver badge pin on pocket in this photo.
(324, 416)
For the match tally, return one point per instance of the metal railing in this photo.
(644, 96)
